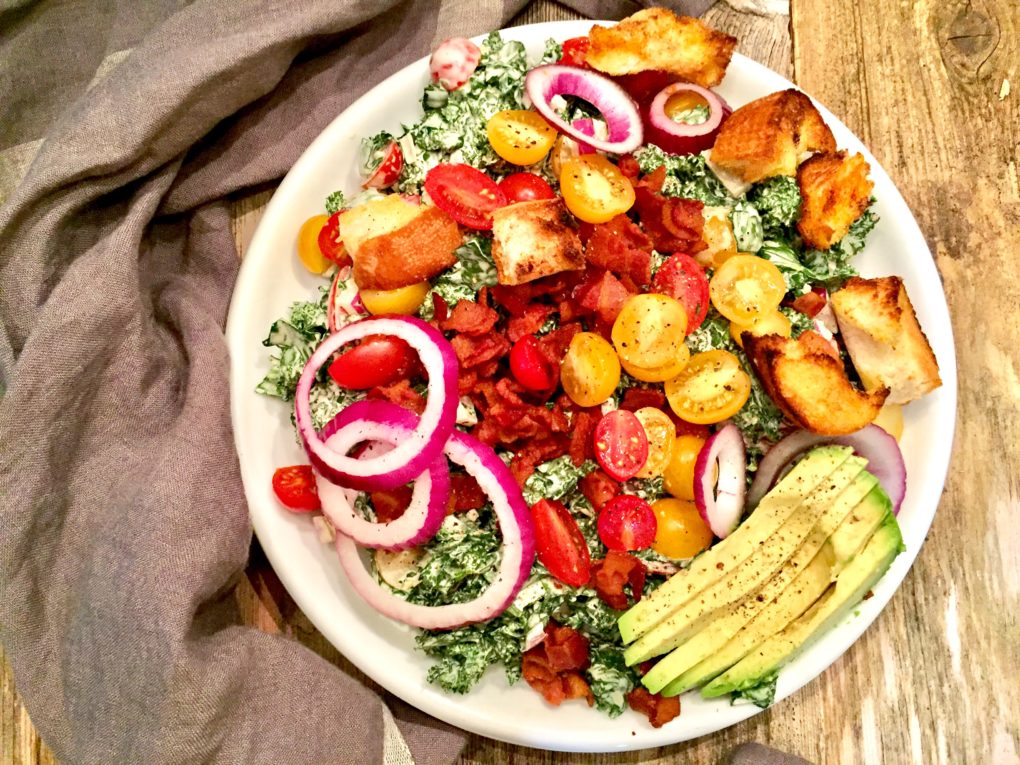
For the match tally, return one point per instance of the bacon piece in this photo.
(612, 573)
(553, 666)
(598, 488)
(440, 308)
(531, 319)
(400, 393)
(638, 398)
(470, 318)
(533, 454)
(581, 435)
(475, 351)
(621, 247)
(603, 295)
(658, 709)
(465, 494)
(810, 303)
(391, 503)
(674, 225)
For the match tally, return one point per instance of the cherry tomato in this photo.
(682, 278)
(681, 533)
(594, 189)
(464, 193)
(520, 136)
(745, 287)
(772, 323)
(295, 488)
(590, 370)
(329, 240)
(712, 387)
(621, 446)
(560, 544)
(575, 51)
(402, 300)
(388, 170)
(525, 187)
(649, 330)
(378, 360)
(529, 367)
(308, 245)
(661, 435)
(627, 523)
(718, 235)
(659, 374)
(454, 61)
(678, 477)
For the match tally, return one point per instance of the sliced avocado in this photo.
(859, 527)
(757, 568)
(859, 576)
(771, 513)
(725, 623)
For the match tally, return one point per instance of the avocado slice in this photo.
(856, 527)
(851, 585)
(724, 624)
(733, 586)
(771, 513)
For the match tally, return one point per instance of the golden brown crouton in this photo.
(884, 339)
(769, 136)
(807, 381)
(534, 239)
(374, 218)
(656, 38)
(834, 191)
(416, 251)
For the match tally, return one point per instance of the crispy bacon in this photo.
(531, 319)
(612, 573)
(658, 709)
(674, 225)
(475, 351)
(582, 430)
(598, 488)
(553, 667)
(465, 494)
(638, 398)
(534, 453)
(400, 393)
(810, 303)
(470, 318)
(390, 504)
(603, 294)
(440, 309)
(621, 247)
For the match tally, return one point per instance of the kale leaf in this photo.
(473, 270)
(687, 176)
(294, 338)
(761, 695)
(610, 679)
(555, 479)
(777, 200)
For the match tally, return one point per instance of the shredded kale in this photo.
(555, 479)
(294, 338)
(553, 52)
(799, 322)
(610, 679)
(473, 270)
(460, 562)
(687, 176)
(778, 202)
(335, 202)
(747, 227)
(761, 695)
(649, 489)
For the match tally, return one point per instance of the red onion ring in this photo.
(679, 137)
(515, 523)
(585, 125)
(345, 303)
(885, 460)
(411, 456)
(429, 498)
(721, 505)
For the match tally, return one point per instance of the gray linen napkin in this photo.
(123, 526)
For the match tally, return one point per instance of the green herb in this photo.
(459, 563)
(553, 52)
(778, 202)
(761, 695)
(610, 679)
(696, 115)
(649, 489)
(335, 202)
(555, 479)
(687, 176)
(799, 322)
(294, 338)
(473, 270)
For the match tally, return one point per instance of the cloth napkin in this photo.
(123, 526)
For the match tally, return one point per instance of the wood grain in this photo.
(935, 679)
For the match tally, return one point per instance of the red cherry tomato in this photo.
(379, 360)
(295, 488)
(575, 51)
(560, 544)
(388, 169)
(682, 278)
(525, 187)
(627, 523)
(464, 193)
(329, 241)
(529, 367)
(621, 446)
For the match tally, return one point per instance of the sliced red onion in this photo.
(585, 125)
(518, 553)
(429, 497)
(885, 460)
(620, 113)
(680, 137)
(343, 305)
(721, 502)
(413, 454)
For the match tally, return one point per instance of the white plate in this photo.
(271, 278)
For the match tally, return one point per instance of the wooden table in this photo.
(936, 679)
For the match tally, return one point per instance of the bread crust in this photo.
(835, 191)
(534, 239)
(416, 251)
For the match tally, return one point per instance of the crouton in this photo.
(884, 339)
(834, 191)
(412, 253)
(770, 136)
(658, 39)
(534, 239)
(807, 381)
(374, 218)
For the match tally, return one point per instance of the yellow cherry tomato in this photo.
(520, 136)
(681, 533)
(650, 330)
(594, 189)
(772, 323)
(308, 245)
(659, 374)
(405, 300)
(890, 419)
(718, 235)
(590, 370)
(678, 478)
(661, 433)
(712, 387)
(745, 287)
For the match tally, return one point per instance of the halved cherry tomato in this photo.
(378, 360)
(464, 193)
(560, 544)
(682, 278)
(594, 189)
(402, 300)
(659, 374)
(680, 533)
(308, 245)
(520, 136)
(678, 477)
(661, 435)
(525, 187)
(712, 387)
(745, 287)
(529, 366)
(649, 331)
(329, 241)
(388, 170)
(590, 370)
(621, 446)
(575, 51)
(772, 323)
(295, 488)
(627, 523)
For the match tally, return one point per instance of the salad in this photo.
(580, 323)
